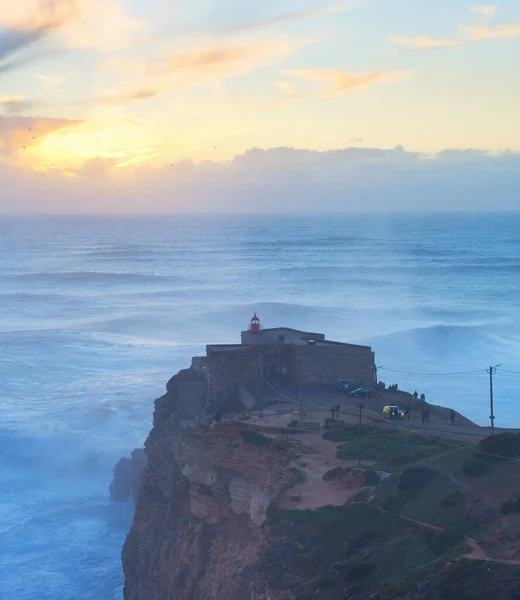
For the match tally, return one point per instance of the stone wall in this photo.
(233, 372)
(280, 335)
(327, 363)
(324, 363)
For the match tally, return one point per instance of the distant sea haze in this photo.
(98, 312)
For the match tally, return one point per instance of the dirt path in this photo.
(314, 493)
(477, 553)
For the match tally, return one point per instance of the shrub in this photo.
(503, 444)
(510, 506)
(394, 502)
(475, 468)
(453, 499)
(371, 478)
(359, 570)
(293, 423)
(444, 541)
(414, 478)
(253, 437)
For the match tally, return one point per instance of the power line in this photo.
(407, 429)
(510, 372)
(442, 440)
(461, 373)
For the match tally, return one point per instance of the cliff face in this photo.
(198, 531)
(208, 525)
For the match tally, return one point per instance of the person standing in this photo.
(407, 411)
(338, 408)
(333, 412)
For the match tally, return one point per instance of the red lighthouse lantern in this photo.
(255, 326)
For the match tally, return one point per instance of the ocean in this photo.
(97, 313)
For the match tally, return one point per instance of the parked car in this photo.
(343, 385)
(362, 391)
(388, 411)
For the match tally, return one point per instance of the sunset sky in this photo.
(112, 96)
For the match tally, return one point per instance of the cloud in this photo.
(422, 42)
(117, 97)
(486, 11)
(343, 81)
(198, 63)
(278, 180)
(288, 88)
(17, 132)
(225, 59)
(102, 25)
(105, 26)
(45, 18)
(52, 80)
(289, 17)
(13, 104)
(485, 32)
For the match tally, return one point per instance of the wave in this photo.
(85, 277)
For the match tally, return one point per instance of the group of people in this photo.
(425, 416)
(334, 411)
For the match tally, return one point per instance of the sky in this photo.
(233, 105)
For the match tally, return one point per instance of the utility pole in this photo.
(375, 369)
(259, 375)
(492, 415)
(361, 407)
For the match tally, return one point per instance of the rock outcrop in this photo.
(127, 477)
(198, 531)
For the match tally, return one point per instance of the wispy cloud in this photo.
(13, 104)
(224, 59)
(289, 17)
(51, 80)
(288, 88)
(17, 132)
(48, 18)
(126, 97)
(343, 81)
(485, 32)
(422, 42)
(486, 11)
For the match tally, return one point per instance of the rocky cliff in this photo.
(199, 527)
(214, 519)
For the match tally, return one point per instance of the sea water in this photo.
(98, 312)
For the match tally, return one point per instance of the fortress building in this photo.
(280, 358)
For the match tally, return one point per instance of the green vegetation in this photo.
(415, 478)
(426, 495)
(258, 439)
(502, 445)
(510, 506)
(388, 448)
(326, 551)
(371, 477)
(475, 468)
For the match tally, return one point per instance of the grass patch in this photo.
(388, 448)
(475, 468)
(505, 445)
(333, 548)
(253, 437)
(428, 497)
(415, 478)
(371, 477)
(510, 506)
